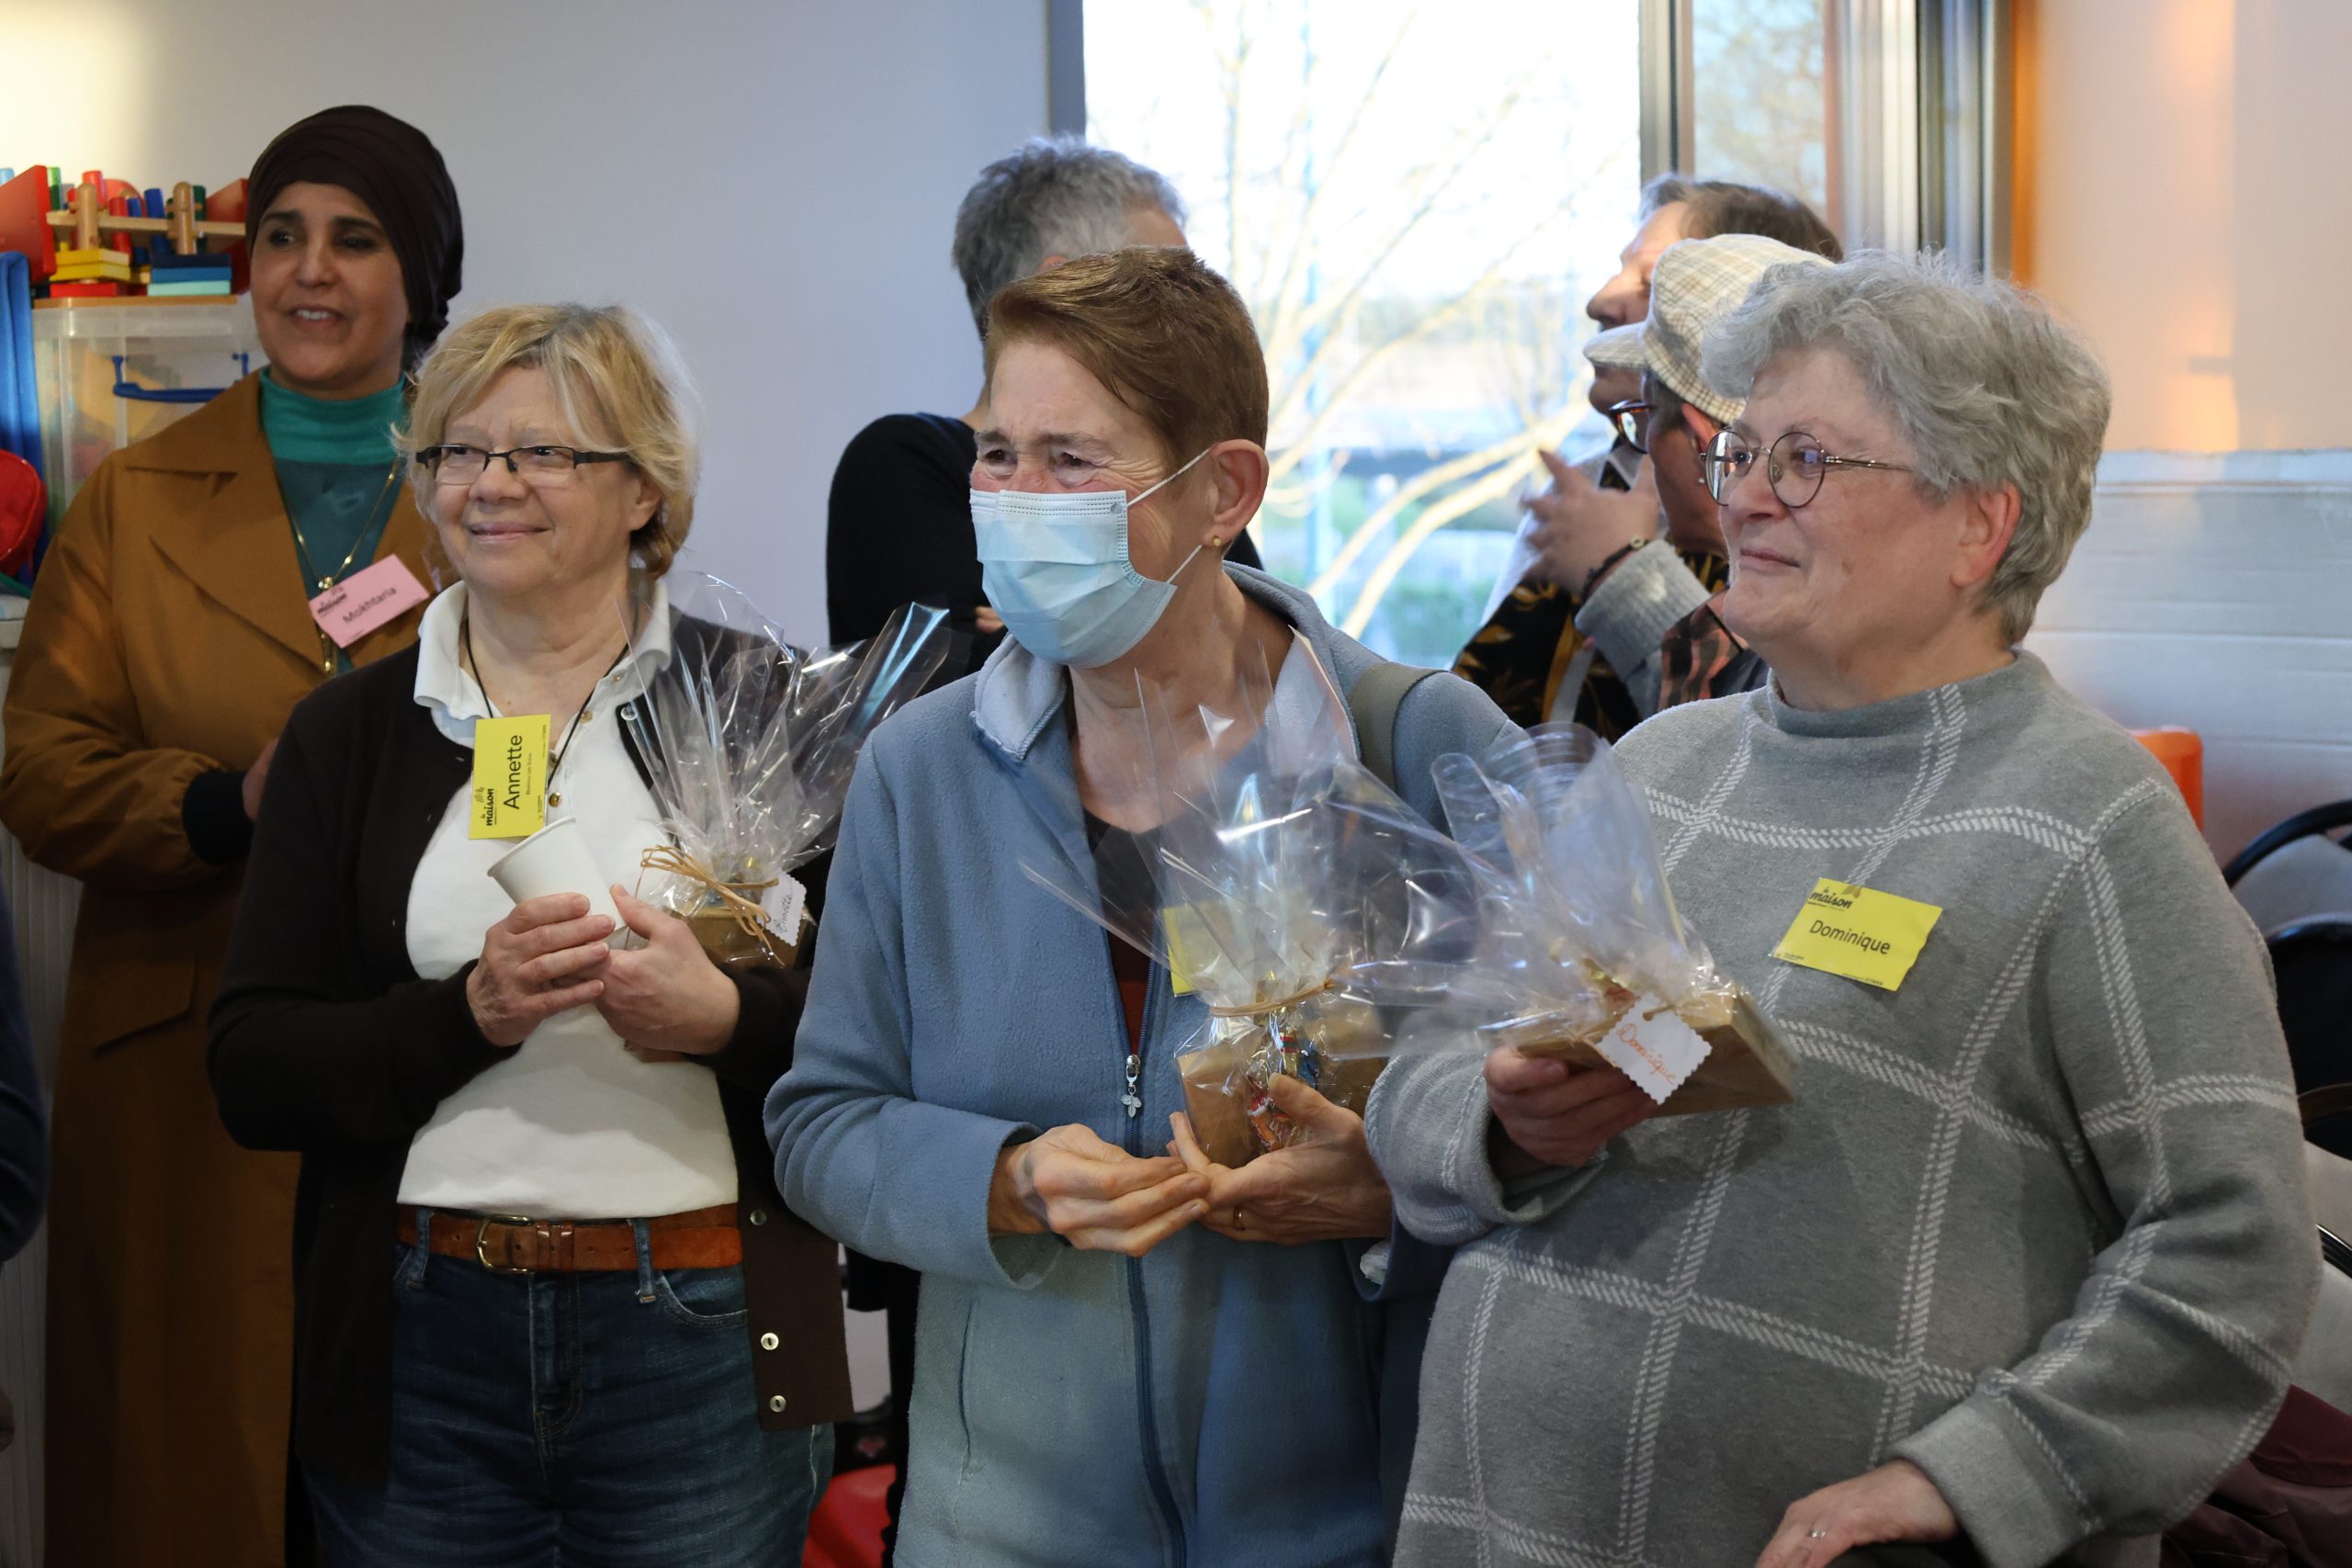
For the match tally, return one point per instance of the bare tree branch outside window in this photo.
(1415, 198)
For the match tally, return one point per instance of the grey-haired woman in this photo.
(2026, 1262)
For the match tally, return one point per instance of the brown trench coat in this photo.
(168, 637)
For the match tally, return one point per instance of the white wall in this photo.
(772, 180)
(2175, 199)
(2210, 591)
(2167, 201)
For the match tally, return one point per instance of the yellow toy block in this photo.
(94, 272)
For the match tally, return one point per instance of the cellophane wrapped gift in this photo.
(1579, 952)
(1277, 863)
(748, 743)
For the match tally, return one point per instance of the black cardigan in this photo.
(325, 1041)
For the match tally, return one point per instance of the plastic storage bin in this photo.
(108, 375)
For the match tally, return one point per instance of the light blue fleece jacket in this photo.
(1214, 1403)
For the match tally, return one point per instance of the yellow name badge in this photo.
(1858, 933)
(1187, 935)
(510, 798)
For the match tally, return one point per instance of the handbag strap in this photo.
(1373, 703)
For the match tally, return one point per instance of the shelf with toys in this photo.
(130, 314)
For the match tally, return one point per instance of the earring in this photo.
(1216, 541)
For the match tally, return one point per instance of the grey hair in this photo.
(1724, 206)
(1987, 385)
(1054, 197)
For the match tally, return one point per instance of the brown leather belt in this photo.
(513, 1243)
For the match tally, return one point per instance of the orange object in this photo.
(846, 1529)
(2182, 752)
(227, 205)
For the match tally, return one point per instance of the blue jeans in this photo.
(598, 1420)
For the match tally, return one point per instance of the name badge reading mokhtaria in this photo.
(509, 797)
(1858, 933)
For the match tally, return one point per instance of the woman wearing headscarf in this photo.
(184, 608)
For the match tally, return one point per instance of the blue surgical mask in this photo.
(1055, 568)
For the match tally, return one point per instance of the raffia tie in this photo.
(746, 912)
(1261, 1009)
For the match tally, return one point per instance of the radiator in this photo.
(43, 904)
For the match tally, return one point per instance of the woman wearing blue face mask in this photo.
(1120, 1362)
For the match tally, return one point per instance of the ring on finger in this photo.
(1240, 1220)
(1816, 1534)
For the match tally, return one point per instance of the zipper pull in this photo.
(1131, 1099)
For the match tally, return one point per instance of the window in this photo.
(1416, 198)
(1761, 106)
(1416, 211)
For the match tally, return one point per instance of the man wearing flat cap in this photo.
(1641, 606)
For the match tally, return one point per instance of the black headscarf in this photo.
(390, 166)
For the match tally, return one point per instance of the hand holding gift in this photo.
(1579, 956)
(1092, 1194)
(1277, 863)
(1319, 1186)
(664, 998)
(1549, 1113)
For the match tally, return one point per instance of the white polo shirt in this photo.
(571, 1125)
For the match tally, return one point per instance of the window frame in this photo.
(1922, 119)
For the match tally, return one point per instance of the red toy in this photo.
(846, 1529)
(24, 506)
(95, 215)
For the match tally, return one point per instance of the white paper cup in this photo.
(556, 860)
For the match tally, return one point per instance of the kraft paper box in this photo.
(1226, 1082)
(731, 947)
(1746, 1063)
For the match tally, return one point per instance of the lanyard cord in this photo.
(376, 519)
(465, 641)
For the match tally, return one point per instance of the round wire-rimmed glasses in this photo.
(1794, 466)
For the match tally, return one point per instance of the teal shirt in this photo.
(338, 475)
(337, 472)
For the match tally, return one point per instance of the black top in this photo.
(325, 1041)
(899, 531)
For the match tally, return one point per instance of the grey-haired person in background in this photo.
(899, 520)
(2028, 1258)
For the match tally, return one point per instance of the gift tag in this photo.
(510, 798)
(1653, 1047)
(1858, 933)
(782, 907)
(366, 600)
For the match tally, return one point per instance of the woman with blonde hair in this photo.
(550, 1307)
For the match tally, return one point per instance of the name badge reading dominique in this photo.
(1858, 933)
(509, 797)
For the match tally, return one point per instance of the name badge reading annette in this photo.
(510, 798)
(1858, 933)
